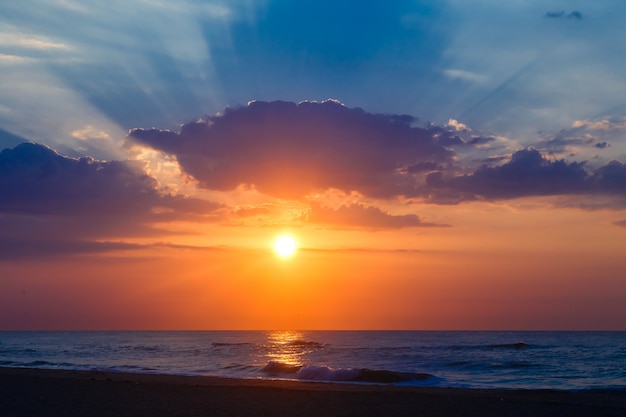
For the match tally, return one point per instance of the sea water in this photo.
(473, 359)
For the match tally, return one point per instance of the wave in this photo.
(142, 348)
(38, 363)
(324, 373)
(514, 346)
(239, 367)
(276, 368)
(305, 343)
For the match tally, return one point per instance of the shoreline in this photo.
(45, 392)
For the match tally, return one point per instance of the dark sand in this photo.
(40, 393)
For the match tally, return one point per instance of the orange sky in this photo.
(501, 269)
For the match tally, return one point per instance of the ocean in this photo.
(463, 359)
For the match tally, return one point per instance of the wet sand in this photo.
(36, 392)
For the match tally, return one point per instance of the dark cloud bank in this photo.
(51, 204)
(285, 150)
(289, 150)
(35, 179)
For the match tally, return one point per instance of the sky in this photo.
(440, 165)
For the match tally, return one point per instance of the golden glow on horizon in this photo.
(285, 246)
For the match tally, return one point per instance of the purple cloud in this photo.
(288, 150)
(36, 180)
(358, 215)
(51, 204)
(528, 173)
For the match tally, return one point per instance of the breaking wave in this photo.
(305, 343)
(324, 373)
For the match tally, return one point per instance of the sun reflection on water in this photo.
(286, 347)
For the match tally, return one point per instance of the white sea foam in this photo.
(324, 373)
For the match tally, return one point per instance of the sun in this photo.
(285, 246)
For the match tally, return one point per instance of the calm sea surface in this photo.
(555, 360)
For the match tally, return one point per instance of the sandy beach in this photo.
(36, 392)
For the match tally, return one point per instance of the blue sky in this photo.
(521, 69)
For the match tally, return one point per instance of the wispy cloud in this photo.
(464, 75)
(361, 216)
(30, 42)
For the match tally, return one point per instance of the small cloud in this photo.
(555, 15)
(17, 39)
(602, 124)
(361, 216)
(90, 132)
(620, 223)
(12, 249)
(464, 75)
(602, 145)
(251, 211)
(425, 166)
(480, 140)
(575, 14)
(13, 59)
(458, 126)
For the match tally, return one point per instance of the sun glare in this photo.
(285, 246)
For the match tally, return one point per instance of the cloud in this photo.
(555, 15)
(528, 173)
(34, 179)
(29, 42)
(457, 74)
(425, 166)
(359, 215)
(584, 137)
(293, 151)
(51, 201)
(252, 211)
(575, 14)
(611, 178)
(458, 126)
(601, 124)
(12, 249)
(52, 205)
(290, 150)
